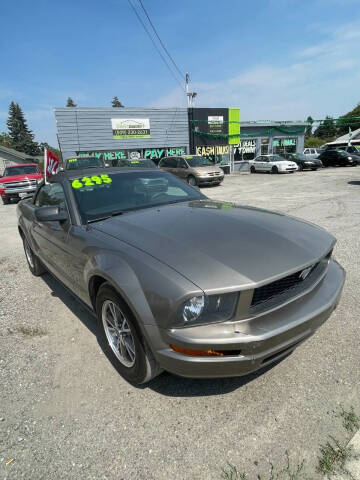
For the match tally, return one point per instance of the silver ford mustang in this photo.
(179, 282)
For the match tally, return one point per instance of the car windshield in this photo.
(83, 162)
(198, 161)
(146, 163)
(20, 170)
(103, 195)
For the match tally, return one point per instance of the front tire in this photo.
(35, 266)
(252, 169)
(192, 181)
(122, 339)
(274, 169)
(6, 200)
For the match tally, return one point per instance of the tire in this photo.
(35, 266)
(301, 168)
(6, 200)
(314, 169)
(274, 169)
(191, 180)
(252, 169)
(131, 356)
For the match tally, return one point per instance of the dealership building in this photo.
(217, 133)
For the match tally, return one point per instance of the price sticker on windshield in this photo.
(91, 181)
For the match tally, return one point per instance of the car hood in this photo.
(221, 246)
(18, 178)
(210, 169)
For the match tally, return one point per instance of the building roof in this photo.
(345, 138)
(15, 153)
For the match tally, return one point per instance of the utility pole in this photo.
(190, 95)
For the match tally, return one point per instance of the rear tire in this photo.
(35, 266)
(274, 169)
(252, 169)
(314, 169)
(122, 340)
(191, 180)
(301, 168)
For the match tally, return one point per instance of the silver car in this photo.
(179, 282)
(194, 169)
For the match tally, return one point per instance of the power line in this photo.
(161, 42)
(156, 47)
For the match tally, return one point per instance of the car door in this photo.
(258, 163)
(51, 237)
(182, 168)
(267, 164)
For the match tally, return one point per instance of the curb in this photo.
(353, 466)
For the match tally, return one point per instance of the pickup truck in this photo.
(18, 180)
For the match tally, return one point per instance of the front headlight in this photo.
(207, 309)
(349, 158)
(39, 180)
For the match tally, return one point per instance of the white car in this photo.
(312, 152)
(272, 164)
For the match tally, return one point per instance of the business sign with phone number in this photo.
(127, 128)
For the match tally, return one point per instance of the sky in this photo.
(275, 59)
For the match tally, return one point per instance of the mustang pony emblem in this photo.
(305, 273)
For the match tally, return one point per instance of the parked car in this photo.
(179, 282)
(19, 180)
(272, 164)
(137, 163)
(195, 170)
(331, 158)
(312, 152)
(79, 163)
(302, 161)
(350, 150)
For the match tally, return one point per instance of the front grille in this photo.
(281, 290)
(23, 183)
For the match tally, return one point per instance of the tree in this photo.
(348, 120)
(115, 102)
(327, 128)
(70, 102)
(22, 139)
(308, 131)
(5, 139)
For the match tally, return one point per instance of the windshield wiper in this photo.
(98, 219)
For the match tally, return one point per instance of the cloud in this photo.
(323, 78)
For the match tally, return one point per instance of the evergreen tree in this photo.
(308, 131)
(22, 139)
(116, 102)
(348, 120)
(327, 128)
(70, 103)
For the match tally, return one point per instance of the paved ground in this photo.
(66, 413)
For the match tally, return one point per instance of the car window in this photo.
(181, 163)
(119, 192)
(83, 162)
(20, 170)
(52, 194)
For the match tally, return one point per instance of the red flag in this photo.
(51, 164)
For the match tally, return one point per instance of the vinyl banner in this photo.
(127, 128)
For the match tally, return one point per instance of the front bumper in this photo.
(9, 192)
(209, 180)
(261, 340)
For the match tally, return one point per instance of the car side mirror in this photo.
(50, 214)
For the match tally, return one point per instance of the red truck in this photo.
(19, 180)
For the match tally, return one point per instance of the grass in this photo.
(332, 459)
(30, 331)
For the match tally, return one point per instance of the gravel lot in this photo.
(66, 413)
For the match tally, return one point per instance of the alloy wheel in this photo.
(118, 333)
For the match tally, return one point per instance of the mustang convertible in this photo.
(179, 282)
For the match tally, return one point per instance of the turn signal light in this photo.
(197, 353)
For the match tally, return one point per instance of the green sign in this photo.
(108, 155)
(157, 153)
(234, 126)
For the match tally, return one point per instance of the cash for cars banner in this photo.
(126, 128)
